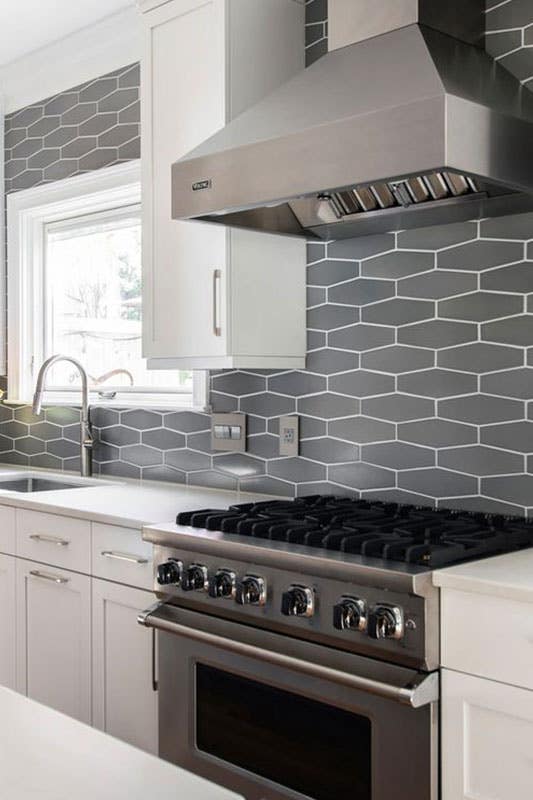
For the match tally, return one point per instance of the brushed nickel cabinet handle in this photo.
(217, 275)
(41, 537)
(124, 557)
(155, 684)
(48, 576)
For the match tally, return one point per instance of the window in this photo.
(75, 289)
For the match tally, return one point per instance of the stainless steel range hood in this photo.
(406, 123)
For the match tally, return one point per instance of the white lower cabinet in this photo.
(487, 739)
(53, 637)
(124, 701)
(7, 621)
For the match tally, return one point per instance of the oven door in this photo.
(273, 718)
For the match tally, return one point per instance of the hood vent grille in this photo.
(394, 194)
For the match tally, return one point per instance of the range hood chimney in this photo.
(406, 122)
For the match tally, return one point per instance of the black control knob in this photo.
(169, 573)
(251, 591)
(350, 614)
(386, 622)
(194, 578)
(223, 584)
(298, 601)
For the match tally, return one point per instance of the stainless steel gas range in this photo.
(298, 643)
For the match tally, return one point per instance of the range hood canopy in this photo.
(406, 122)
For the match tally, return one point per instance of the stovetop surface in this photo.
(387, 531)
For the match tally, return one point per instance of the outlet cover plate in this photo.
(289, 435)
(228, 432)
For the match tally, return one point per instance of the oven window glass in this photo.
(319, 750)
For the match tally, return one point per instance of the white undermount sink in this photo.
(39, 482)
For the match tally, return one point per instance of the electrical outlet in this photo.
(289, 436)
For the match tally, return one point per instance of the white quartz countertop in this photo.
(509, 576)
(45, 755)
(119, 501)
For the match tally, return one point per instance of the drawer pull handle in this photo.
(48, 576)
(41, 537)
(124, 557)
(217, 277)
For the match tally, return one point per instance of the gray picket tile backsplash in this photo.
(420, 365)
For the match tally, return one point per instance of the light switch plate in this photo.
(289, 435)
(228, 432)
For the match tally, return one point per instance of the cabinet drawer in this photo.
(7, 530)
(60, 541)
(488, 636)
(121, 555)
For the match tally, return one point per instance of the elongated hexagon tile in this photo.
(484, 504)
(362, 430)
(326, 273)
(239, 383)
(328, 406)
(481, 306)
(296, 383)
(480, 460)
(362, 247)
(329, 451)
(362, 383)
(362, 476)
(264, 445)
(163, 473)
(310, 427)
(437, 383)
(398, 407)
(397, 359)
(120, 436)
(518, 226)
(517, 436)
(267, 404)
(329, 316)
(361, 337)
(437, 236)
(511, 489)
(399, 496)
(480, 357)
(296, 470)
(328, 361)
(481, 409)
(480, 255)
(515, 330)
(267, 485)
(324, 487)
(315, 296)
(437, 433)
(140, 419)
(361, 291)
(398, 455)
(187, 460)
(187, 421)
(163, 439)
(437, 334)
(437, 482)
(514, 278)
(396, 265)
(398, 312)
(437, 284)
(215, 480)
(140, 455)
(509, 383)
(239, 465)
(31, 446)
(316, 340)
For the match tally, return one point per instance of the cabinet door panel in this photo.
(54, 638)
(184, 103)
(7, 621)
(487, 739)
(124, 702)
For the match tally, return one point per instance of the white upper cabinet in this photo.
(215, 297)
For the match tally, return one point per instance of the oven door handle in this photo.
(422, 691)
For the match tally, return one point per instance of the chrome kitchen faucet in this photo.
(86, 437)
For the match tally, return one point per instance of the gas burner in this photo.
(388, 531)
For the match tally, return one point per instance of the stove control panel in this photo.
(298, 601)
(252, 591)
(350, 614)
(357, 617)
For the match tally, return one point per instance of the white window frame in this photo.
(28, 214)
